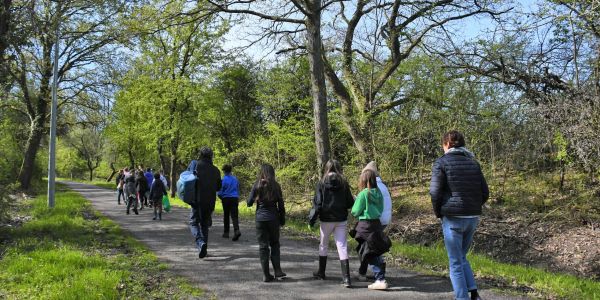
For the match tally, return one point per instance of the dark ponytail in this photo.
(453, 139)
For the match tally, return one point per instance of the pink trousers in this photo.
(339, 235)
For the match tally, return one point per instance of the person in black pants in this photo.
(141, 186)
(130, 191)
(207, 185)
(230, 198)
(270, 215)
(119, 181)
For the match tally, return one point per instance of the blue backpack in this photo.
(186, 185)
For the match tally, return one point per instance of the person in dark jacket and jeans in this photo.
(458, 191)
(270, 216)
(130, 190)
(207, 185)
(229, 196)
(331, 202)
(157, 191)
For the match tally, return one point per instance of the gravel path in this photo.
(232, 271)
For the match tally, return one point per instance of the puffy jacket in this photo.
(458, 187)
(332, 200)
(207, 185)
(129, 182)
(368, 204)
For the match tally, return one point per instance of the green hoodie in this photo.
(371, 210)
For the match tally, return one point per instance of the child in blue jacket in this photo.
(229, 195)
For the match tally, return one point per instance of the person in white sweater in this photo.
(386, 215)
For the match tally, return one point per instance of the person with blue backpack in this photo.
(206, 185)
(229, 196)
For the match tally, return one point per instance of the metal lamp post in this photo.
(53, 112)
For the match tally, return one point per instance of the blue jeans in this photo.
(199, 224)
(458, 236)
(376, 265)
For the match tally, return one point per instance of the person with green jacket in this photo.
(367, 208)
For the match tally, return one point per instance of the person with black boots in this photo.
(130, 191)
(157, 191)
(270, 216)
(331, 203)
(141, 186)
(229, 196)
(207, 186)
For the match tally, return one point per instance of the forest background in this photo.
(294, 83)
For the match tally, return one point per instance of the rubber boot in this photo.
(320, 274)
(264, 264)
(346, 273)
(160, 216)
(155, 215)
(236, 235)
(276, 261)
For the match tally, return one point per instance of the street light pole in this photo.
(53, 112)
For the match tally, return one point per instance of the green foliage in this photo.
(70, 252)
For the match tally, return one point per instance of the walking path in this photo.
(232, 270)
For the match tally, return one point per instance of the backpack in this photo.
(186, 187)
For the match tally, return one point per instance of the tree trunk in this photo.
(33, 145)
(4, 35)
(317, 80)
(112, 173)
(173, 173)
(131, 159)
(91, 174)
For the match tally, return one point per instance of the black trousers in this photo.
(267, 233)
(230, 208)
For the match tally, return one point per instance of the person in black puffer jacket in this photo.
(458, 191)
(331, 202)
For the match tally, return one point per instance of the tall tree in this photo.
(87, 30)
(291, 18)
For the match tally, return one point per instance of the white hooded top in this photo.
(386, 215)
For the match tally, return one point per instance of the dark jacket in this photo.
(141, 184)
(458, 187)
(118, 180)
(207, 185)
(332, 200)
(129, 185)
(372, 242)
(268, 209)
(157, 190)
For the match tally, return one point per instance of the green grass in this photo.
(545, 283)
(71, 252)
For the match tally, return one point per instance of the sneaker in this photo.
(378, 285)
(236, 236)
(203, 251)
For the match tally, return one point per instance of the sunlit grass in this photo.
(71, 252)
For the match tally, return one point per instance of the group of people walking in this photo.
(145, 188)
(458, 190)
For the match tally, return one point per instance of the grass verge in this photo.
(72, 252)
